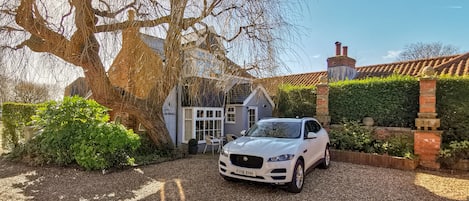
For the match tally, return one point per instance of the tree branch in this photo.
(10, 29)
(112, 14)
(135, 23)
(189, 22)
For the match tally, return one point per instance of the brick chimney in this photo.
(340, 66)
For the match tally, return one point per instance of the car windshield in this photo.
(275, 129)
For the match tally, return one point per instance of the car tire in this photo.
(326, 161)
(296, 185)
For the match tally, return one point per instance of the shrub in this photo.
(107, 145)
(354, 137)
(397, 145)
(15, 116)
(452, 153)
(76, 130)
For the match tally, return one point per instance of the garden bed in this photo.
(374, 160)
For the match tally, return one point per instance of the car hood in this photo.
(262, 146)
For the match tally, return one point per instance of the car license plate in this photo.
(245, 172)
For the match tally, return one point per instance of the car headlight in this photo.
(283, 157)
(224, 153)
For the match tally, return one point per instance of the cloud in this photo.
(316, 56)
(392, 54)
(454, 7)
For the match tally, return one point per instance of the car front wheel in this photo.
(296, 185)
(326, 162)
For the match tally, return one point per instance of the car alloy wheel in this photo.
(299, 176)
(296, 185)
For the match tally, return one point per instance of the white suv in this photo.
(276, 151)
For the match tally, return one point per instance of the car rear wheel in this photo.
(326, 161)
(296, 185)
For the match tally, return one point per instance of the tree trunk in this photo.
(82, 49)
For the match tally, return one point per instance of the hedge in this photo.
(296, 101)
(15, 117)
(390, 101)
(452, 98)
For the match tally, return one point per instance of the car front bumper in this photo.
(271, 172)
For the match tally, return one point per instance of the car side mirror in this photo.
(243, 132)
(312, 135)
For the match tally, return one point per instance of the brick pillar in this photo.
(322, 102)
(427, 139)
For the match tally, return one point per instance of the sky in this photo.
(375, 31)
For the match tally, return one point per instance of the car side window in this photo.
(309, 127)
(315, 126)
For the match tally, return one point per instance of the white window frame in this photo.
(229, 113)
(209, 126)
(250, 123)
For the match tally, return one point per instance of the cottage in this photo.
(214, 97)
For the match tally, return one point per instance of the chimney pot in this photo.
(345, 50)
(337, 48)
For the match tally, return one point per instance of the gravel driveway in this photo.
(196, 178)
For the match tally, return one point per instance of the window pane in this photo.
(200, 113)
(209, 113)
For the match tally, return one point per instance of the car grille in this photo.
(246, 161)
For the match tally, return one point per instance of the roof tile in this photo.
(452, 65)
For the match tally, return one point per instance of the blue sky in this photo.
(374, 30)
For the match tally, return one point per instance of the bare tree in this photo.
(5, 84)
(28, 92)
(426, 50)
(76, 31)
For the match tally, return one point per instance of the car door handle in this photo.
(304, 151)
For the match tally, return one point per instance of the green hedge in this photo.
(293, 101)
(390, 101)
(452, 98)
(15, 116)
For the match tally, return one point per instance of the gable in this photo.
(238, 93)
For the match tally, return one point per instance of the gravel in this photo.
(196, 178)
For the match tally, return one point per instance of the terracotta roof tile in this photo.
(452, 65)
